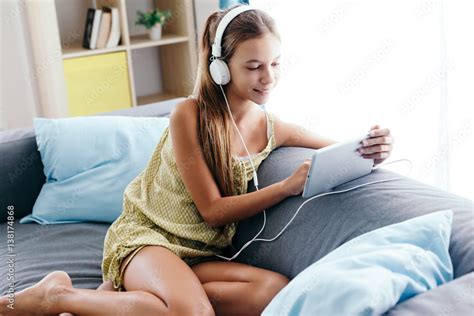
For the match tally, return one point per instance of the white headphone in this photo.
(218, 68)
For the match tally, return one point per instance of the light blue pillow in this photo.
(88, 162)
(373, 272)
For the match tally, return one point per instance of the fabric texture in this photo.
(453, 298)
(158, 210)
(373, 272)
(41, 249)
(77, 249)
(158, 109)
(82, 185)
(327, 222)
(22, 170)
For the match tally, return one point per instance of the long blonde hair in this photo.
(215, 128)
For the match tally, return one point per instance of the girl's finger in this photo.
(375, 149)
(376, 141)
(379, 155)
(379, 132)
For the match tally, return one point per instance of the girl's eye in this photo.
(258, 67)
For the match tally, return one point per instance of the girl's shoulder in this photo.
(185, 110)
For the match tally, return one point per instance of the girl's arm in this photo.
(378, 146)
(198, 180)
(292, 135)
(235, 208)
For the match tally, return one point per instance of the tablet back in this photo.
(334, 165)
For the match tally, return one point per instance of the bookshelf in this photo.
(153, 70)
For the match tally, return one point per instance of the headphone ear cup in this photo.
(219, 72)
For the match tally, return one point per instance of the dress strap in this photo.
(271, 128)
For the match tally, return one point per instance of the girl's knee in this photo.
(273, 282)
(267, 288)
(280, 281)
(144, 274)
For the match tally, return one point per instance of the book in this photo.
(95, 29)
(88, 28)
(114, 36)
(104, 29)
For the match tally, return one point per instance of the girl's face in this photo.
(254, 68)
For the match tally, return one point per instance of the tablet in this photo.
(334, 165)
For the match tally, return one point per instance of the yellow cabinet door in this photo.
(97, 83)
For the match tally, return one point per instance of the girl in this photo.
(182, 210)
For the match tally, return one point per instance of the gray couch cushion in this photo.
(454, 298)
(21, 171)
(329, 221)
(40, 249)
(162, 108)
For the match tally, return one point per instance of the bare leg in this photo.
(238, 289)
(152, 289)
(54, 294)
(105, 286)
(238, 298)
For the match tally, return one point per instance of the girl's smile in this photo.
(262, 92)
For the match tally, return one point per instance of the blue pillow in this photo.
(88, 162)
(373, 272)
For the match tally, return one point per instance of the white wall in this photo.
(18, 91)
(406, 65)
(203, 9)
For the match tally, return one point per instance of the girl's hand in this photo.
(379, 146)
(294, 184)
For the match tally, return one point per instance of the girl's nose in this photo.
(268, 76)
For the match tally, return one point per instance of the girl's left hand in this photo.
(378, 146)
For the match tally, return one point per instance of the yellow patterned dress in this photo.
(158, 210)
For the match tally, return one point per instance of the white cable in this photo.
(302, 204)
(255, 178)
(243, 142)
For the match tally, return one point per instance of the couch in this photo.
(323, 225)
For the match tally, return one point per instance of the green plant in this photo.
(150, 18)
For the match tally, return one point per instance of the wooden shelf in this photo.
(142, 41)
(136, 42)
(156, 70)
(152, 98)
(76, 50)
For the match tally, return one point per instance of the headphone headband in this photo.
(216, 47)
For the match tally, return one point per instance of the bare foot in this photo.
(40, 299)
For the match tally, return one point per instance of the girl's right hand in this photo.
(294, 184)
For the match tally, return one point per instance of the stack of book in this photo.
(102, 28)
